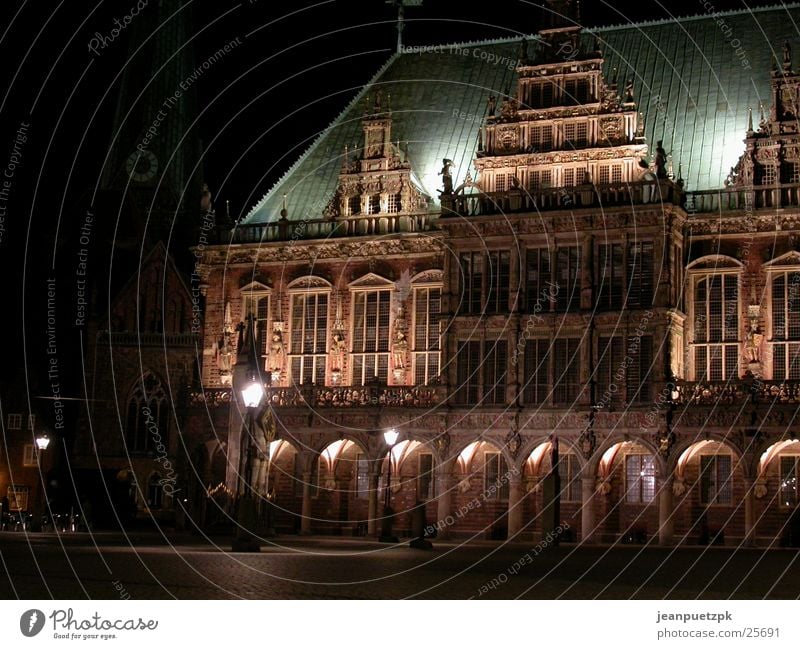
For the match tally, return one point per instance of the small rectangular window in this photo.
(29, 455)
(495, 477)
(394, 203)
(375, 204)
(570, 473)
(14, 421)
(362, 476)
(790, 473)
(354, 205)
(640, 478)
(425, 478)
(715, 479)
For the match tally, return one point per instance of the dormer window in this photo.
(393, 205)
(354, 205)
(375, 204)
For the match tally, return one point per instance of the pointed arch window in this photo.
(146, 428)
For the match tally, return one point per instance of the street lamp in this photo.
(251, 389)
(390, 437)
(252, 394)
(42, 441)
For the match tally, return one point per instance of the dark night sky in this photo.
(301, 52)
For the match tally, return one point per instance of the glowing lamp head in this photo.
(42, 442)
(252, 394)
(390, 436)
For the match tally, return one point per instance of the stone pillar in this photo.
(666, 510)
(305, 512)
(749, 513)
(444, 504)
(587, 510)
(372, 504)
(516, 501)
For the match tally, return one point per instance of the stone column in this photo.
(372, 504)
(444, 504)
(587, 509)
(749, 513)
(516, 501)
(305, 512)
(666, 510)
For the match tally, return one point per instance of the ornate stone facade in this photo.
(572, 303)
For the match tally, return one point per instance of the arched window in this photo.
(148, 418)
(786, 325)
(716, 321)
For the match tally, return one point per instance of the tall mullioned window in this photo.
(538, 278)
(639, 278)
(610, 276)
(536, 381)
(566, 370)
(148, 416)
(716, 327)
(309, 332)
(485, 281)
(786, 326)
(568, 278)
(481, 372)
(257, 304)
(472, 264)
(370, 357)
(427, 313)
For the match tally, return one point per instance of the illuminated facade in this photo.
(568, 287)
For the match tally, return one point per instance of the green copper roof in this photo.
(690, 84)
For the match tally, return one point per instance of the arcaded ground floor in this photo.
(109, 566)
(703, 492)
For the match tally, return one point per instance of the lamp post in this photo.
(42, 441)
(252, 392)
(390, 437)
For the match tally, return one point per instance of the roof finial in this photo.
(787, 56)
(284, 210)
(749, 120)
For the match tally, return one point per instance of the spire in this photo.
(749, 121)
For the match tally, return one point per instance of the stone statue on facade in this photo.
(661, 160)
(447, 176)
(491, 105)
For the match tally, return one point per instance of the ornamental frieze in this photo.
(340, 250)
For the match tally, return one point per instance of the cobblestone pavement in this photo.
(106, 566)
